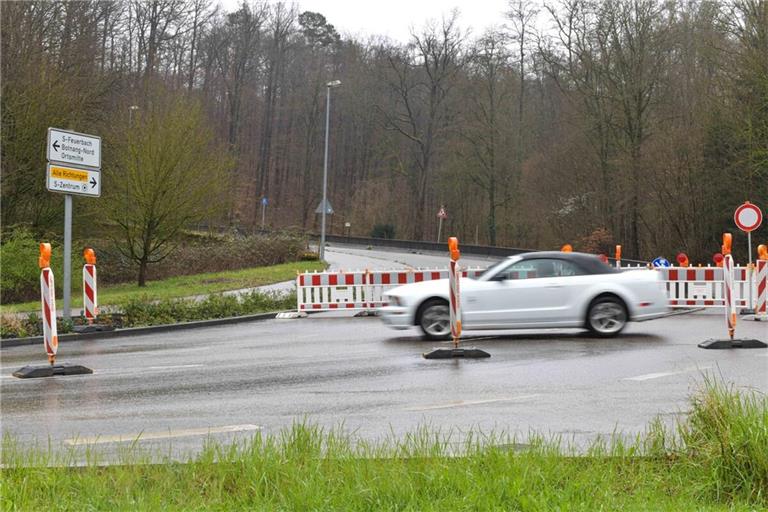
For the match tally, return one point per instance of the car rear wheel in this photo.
(606, 317)
(434, 320)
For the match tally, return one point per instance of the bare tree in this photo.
(486, 130)
(422, 78)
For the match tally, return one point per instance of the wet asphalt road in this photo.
(171, 389)
(333, 370)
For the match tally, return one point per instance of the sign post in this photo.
(74, 167)
(264, 203)
(748, 218)
(441, 214)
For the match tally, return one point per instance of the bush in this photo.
(206, 253)
(20, 326)
(20, 277)
(20, 274)
(141, 312)
(383, 231)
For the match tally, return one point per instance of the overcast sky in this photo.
(394, 18)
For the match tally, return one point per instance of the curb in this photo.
(134, 331)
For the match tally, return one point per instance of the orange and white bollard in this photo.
(454, 308)
(50, 335)
(455, 299)
(618, 256)
(48, 303)
(90, 294)
(730, 306)
(761, 277)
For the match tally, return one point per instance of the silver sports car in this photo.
(530, 291)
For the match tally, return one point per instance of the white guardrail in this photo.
(363, 289)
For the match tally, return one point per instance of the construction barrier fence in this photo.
(363, 289)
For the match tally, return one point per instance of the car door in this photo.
(531, 291)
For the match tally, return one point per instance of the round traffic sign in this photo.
(748, 217)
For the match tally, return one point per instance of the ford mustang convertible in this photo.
(532, 291)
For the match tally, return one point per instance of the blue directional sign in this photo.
(661, 262)
(264, 201)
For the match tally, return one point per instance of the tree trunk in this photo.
(143, 271)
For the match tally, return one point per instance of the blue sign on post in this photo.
(264, 201)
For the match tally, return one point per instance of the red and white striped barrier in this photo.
(703, 286)
(761, 278)
(454, 297)
(359, 289)
(48, 303)
(90, 297)
(730, 306)
(363, 289)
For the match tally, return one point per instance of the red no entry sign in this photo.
(748, 217)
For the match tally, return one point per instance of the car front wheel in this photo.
(434, 320)
(606, 317)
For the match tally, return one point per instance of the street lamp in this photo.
(329, 85)
(130, 114)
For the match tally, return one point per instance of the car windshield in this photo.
(490, 271)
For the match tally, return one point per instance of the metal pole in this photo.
(263, 213)
(67, 254)
(439, 228)
(321, 252)
(751, 304)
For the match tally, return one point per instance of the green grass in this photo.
(184, 286)
(714, 460)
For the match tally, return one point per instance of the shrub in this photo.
(598, 241)
(383, 231)
(140, 312)
(19, 326)
(207, 253)
(196, 254)
(20, 274)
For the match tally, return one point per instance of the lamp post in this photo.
(130, 114)
(329, 85)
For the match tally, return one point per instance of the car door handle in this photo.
(555, 285)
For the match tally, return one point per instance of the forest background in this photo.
(639, 122)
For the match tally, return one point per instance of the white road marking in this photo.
(144, 436)
(649, 376)
(463, 403)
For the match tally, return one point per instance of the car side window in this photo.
(538, 268)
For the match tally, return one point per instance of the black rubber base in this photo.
(450, 353)
(746, 311)
(34, 372)
(92, 328)
(736, 343)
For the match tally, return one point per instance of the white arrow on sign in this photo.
(69, 180)
(72, 148)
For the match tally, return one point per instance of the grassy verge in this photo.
(184, 286)
(716, 459)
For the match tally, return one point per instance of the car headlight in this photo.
(392, 300)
